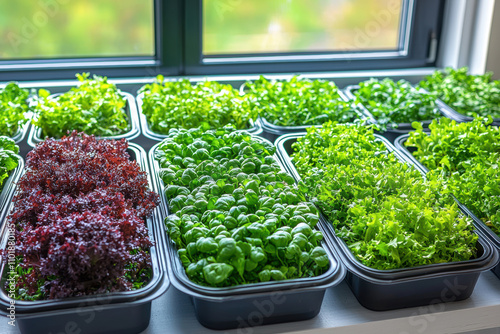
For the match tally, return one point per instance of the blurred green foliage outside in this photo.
(75, 28)
(251, 26)
(106, 28)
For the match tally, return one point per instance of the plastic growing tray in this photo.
(271, 131)
(382, 290)
(392, 133)
(455, 115)
(21, 132)
(493, 238)
(36, 135)
(118, 312)
(7, 189)
(254, 127)
(252, 304)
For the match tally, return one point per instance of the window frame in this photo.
(403, 44)
(167, 59)
(178, 48)
(425, 29)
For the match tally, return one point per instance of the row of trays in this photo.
(138, 123)
(252, 304)
(272, 131)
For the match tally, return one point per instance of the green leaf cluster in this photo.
(180, 104)
(393, 102)
(8, 158)
(13, 106)
(387, 213)
(298, 102)
(95, 107)
(468, 94)
(235, 216)
(468, 157)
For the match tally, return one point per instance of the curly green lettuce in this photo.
(13, 107)
(181, 104)
(8, 158)
(299, 101)
(95, 107)
(470, 95)
(389, 216)
(468, 156)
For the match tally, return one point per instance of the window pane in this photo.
(76, 28)
(260, 26)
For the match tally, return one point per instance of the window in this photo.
(262, 26)
(53, 39)
(236, 36)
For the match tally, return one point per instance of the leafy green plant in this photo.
(468, 156)
(8, 158)
(387, 213)
(180, 104)
(393, 102)
(299, 102)
(13, 106)
(235, 216)
(94, 107)
(468, 94)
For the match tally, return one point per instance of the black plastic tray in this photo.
(254, 127)
(21, 132)
(382, 290)
(7, 189)
(459, 117)
(493, 238)
(271, 131)
(118, 312)
(134, 130)
(403, 128)
(252, 304)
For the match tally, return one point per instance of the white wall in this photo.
(493, 60)
(465, 39)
